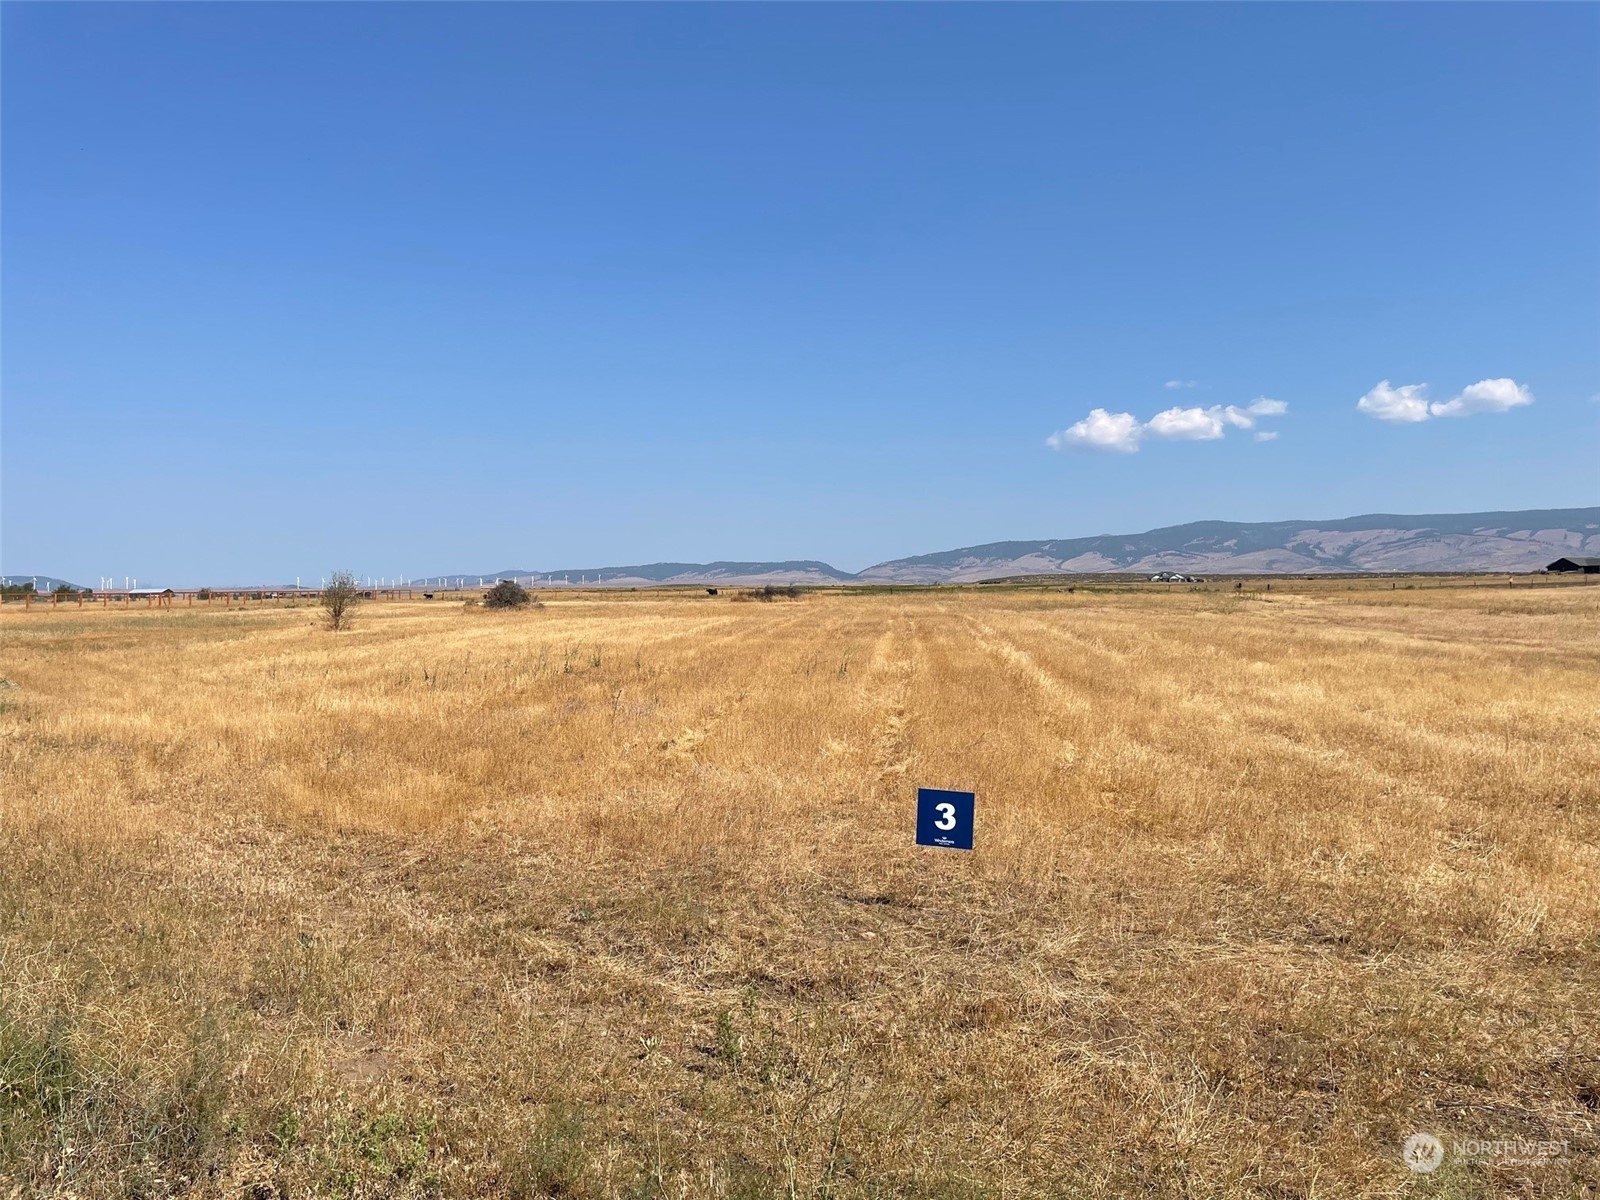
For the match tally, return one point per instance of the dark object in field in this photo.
(1580, 564)
(508, 593)
(773, 592)
(427, 595)
(711, 591)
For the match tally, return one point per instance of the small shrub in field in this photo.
(773, 592)
(553, 1161)
(339, 599)
(508, 593)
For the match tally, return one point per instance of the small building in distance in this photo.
(150, 592)
(1576, 563)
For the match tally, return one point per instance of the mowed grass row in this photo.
(617, 897)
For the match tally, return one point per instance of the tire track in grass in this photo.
(1372, 748)
(688, 693)
(1063, 709)
(1203, 728)
(890, 671)
(1113, 757)
(1249, 737)
(1060, 697)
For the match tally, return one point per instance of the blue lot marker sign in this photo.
(945, 818)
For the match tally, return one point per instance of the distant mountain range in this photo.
(41, 583)
(1490, 541)
(804, 571)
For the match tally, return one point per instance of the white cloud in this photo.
(1485, 396)
(1208, 424)
(1123, 432)
(1179, 384)
(1100, 430)
(1263, 436)
(1410, 402)
(1406, 403)
(1188, 424)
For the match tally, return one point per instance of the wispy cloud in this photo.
(1179, 384)
(1409, 403)
(1123, 432)
(1263, 435)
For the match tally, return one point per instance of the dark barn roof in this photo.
(1576, 562)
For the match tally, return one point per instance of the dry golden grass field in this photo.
(618, 898)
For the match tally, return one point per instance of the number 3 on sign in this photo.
(944, 818)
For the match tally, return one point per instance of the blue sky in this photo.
(416, 288)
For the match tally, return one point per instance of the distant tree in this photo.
(66, 589)
(203, 594)
(508, 593)
(339, 599)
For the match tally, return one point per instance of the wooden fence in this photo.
(189, 597)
